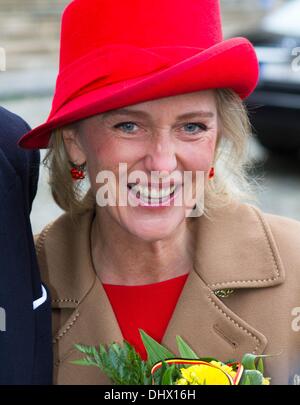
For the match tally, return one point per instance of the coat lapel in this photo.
(236, 249)
(92, 322)
(209, 326)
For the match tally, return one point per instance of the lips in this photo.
(153, 193)
(155, 186)
(152, 196)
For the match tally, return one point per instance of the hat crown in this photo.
(92, 24)
(116, 53)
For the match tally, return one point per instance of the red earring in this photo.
(77, 171)
(211, 173)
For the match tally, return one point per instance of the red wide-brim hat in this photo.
(116, 53)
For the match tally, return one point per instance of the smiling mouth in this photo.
(153, 195)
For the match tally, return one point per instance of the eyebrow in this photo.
(126, 111)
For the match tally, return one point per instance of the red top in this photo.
(148, 307)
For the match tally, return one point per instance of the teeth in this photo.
(154, 193)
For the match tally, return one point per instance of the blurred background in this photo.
(29, 34)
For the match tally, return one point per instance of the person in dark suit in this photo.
(25, 319)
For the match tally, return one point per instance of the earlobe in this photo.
(73, 146)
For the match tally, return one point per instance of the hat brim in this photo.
(230, 64)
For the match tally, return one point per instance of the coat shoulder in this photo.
(41, 249)
(62, 250)
(286, 234)
(284, 229)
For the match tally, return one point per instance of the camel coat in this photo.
(253, 253)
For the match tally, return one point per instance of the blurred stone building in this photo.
(29, 29)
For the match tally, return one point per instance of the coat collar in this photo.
(234, 250)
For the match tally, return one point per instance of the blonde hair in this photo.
(231, 179)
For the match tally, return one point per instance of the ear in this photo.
(73, 146)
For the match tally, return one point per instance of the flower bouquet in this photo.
(124, 366)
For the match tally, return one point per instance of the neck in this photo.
(124, 259)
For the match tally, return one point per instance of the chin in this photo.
(152, 230)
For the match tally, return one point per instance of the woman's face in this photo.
(170, 136)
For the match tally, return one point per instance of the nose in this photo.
(161, 154)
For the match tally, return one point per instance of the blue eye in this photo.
(126, 126)
(197, 126)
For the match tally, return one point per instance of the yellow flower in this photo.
(181, 381)
(266, 381)
(203, 374)
(224, 367)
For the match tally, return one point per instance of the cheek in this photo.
(100, 149)
(106, 153)
(112, 153)
(199, 156)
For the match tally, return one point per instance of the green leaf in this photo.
(81, 362)
(122, 364)
(245, 380)
(84, 349)
(113, 356)
(231, 361)
(167, 377)
(158, 374)
(156, 352)
(248, 361)
(252, 377)
(185, 350)
(260, 365)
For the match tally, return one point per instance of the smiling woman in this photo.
(150, 112)
(229, 158)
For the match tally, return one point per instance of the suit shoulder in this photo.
(12, 126)
(24, 162)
